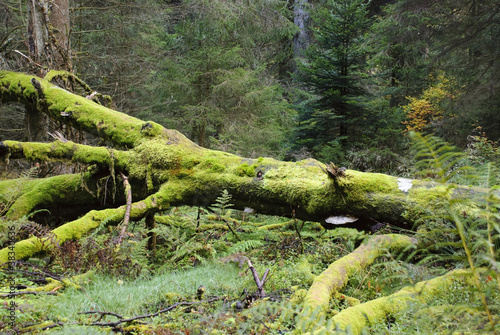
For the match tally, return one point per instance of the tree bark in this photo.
(163, 164)
(48, 34)
(48, 45)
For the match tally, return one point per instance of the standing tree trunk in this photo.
(48, 34)
(49, 49)
(301, 20)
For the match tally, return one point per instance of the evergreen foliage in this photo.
(216, 82)
(333, 70)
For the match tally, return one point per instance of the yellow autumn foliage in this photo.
(428, 108)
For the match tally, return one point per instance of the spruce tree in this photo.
(332, 71)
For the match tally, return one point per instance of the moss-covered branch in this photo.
(55, 285)
(65, 152)
(336, 276)
(27, 195)
(120, 129)
(363, 315)
(76, 229)
(157, 156)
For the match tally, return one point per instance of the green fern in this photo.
(245, 245)
(199, 250)
(138, 252)
(222, 203)
(488, 175)
(102, 224)
(476, 221)
(436, 159)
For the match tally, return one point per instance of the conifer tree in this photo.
(332, 72)
(216, 82)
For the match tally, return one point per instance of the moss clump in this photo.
(190, 162)
(183, 174)
(216, 167)
(212, 165)
(246, 170)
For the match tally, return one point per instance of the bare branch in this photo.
(128, 191)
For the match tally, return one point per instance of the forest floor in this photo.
(199, 280)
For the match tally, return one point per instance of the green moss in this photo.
(66, 152)
(336, 276)
(216, 167)
(119, 128)
(74, 282)
(149, 177)
(358, 317)
(183, 174)
(40, 192)
(251, 170)
(298, 297)
(154, 155)
(242, 169)
(190, 162)
(281, 225)
(76, 229)
(22, 249)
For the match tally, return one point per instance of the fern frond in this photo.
(488, 175)
(222, 203)
(244, 246)
(435, 158)
(42, 234)
(103, 224)
(138, 252)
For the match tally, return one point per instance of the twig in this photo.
(122, 320)
(33, 274)
(25, 292)
(260, 282)
(28, 58)
(169, 308)
(56, 324)
(298, 231)
(33, 328)
(229, 226)
(102, 313)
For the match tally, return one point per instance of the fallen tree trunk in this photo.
(156, 159)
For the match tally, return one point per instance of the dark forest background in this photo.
(342, 81)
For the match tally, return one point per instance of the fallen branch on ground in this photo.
(151, 315)
(336, 276)
(356, 318)
(260, 282)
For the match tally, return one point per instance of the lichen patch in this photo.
(404, 184)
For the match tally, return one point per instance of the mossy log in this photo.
(156, 159)
(336, 276)
(55, 285)
(355, 319)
